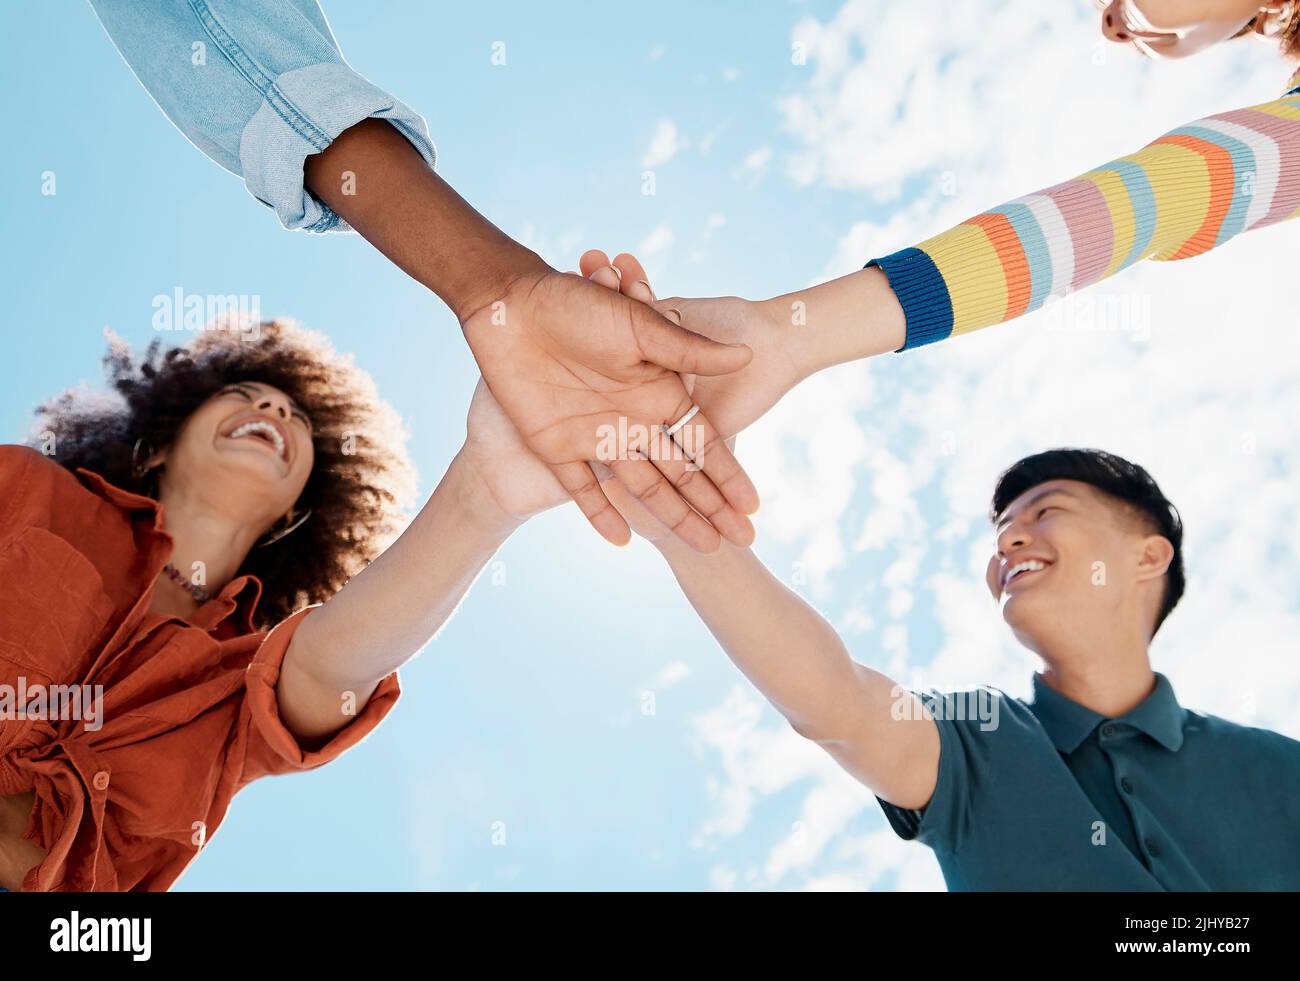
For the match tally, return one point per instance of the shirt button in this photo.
(1108, 730)
(1151, 847)
(100, 781)
(1127, 785)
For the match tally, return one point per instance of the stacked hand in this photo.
(521, 484)
(737, 398)
(569, 361)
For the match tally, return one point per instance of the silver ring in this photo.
(669, 430)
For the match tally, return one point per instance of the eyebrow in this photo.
(1037, 497)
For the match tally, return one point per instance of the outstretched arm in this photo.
(1188, 192)
(875, 729)
(392, 608)
(263, 89)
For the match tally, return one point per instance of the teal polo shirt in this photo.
(1050, 795)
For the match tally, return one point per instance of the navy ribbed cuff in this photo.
(922, 294)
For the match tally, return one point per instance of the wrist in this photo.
(502, 270)
(474, 500)
(403, 208)
(846, 319)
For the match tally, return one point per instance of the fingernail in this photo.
(653, 298)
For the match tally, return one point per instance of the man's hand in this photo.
(585, 374)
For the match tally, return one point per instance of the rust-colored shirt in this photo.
(189, 716)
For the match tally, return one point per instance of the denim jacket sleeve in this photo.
(258, 87)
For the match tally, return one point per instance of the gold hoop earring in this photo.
(138, 460)
(1274, 24)
(289, 529)
(140, 469)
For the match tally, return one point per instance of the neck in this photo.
(204, 534)
(1106, 670)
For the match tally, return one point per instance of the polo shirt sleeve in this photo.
(981, 733)
(258, 87)
(270, 748)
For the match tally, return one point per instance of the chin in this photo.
(248, 465)
(1025, 617)
(239, 478)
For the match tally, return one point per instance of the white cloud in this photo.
(561, 249)
(709, 138)
(879, 473)
(657, 241)
(665, 144)
(672, 673)
(754, 167)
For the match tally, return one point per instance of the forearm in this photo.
(854, 316)
(375, 180)
(1189, 191)
(779, 642)
(392, 608)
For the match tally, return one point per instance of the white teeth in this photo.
(1033, 565)
(262, 427)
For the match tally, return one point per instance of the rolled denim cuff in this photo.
(302, 113)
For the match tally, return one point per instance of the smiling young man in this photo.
(1101, 781)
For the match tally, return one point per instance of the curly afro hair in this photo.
(361, 485)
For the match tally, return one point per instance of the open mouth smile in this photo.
(265, 431)
(1022, 570)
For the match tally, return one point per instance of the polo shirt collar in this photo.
(238, 597)
(1068, 723)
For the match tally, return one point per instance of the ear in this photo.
(1157, 553)
(992, 579)
(155, 460)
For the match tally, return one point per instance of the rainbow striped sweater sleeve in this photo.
(1186, 193)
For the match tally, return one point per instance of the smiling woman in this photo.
(250, 480)
(173, 435)
(267, 467)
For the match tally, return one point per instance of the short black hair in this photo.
(1118, 479)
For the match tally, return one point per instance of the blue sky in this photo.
(519, 756)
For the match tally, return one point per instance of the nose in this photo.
(1112, 23)
(1012, 537)
(273, 404)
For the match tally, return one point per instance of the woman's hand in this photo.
(638, 517)
(574, 365)
(773, 330)
(517, 482)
